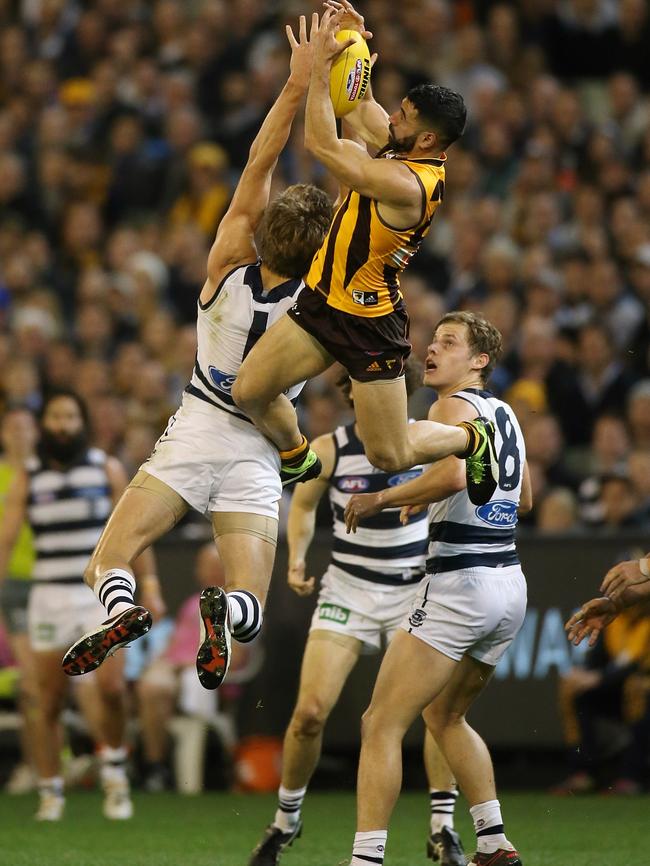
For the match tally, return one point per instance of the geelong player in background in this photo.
(211, 457)
(66, 494)
(467, 610)
(352, 309)
(365, 593)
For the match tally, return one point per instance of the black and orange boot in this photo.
(213, 657)
(500, 857)
(88, 653)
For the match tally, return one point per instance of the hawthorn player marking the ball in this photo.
(351, 309)
(211, 457)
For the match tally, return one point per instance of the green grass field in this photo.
(221, 829)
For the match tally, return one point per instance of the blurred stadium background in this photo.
(123, 129)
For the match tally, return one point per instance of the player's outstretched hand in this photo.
(302, 50)
(620, 577)
(326, 46)
(359, 506)
(351, 19)
(298, 582)
(590, 620)
(409, 511)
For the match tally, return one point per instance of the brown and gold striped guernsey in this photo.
(358, 265)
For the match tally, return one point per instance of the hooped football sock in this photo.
(53, 785)
(115, 590)
(113, 763)
(488, 825)
(290, 803)
(246, 615)
(295, 456)
(369, 847)
(443, 804)
(474, 439)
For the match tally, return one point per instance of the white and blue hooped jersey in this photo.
(67, 510)
(228, 327)
(464, 535)
(382, 551)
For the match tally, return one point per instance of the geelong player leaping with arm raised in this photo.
(351, 309)
(211, 457)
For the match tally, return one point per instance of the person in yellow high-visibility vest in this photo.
(18, 435)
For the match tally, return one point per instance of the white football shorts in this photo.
(477, 611)
(216, 461)
(370, 612)
(58, 613)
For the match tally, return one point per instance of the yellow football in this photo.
(350, 74)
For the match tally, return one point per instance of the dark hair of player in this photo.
(441, 108)
(293, 227)
(483, 338)
(70, 395)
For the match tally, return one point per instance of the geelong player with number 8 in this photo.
(467, 610)
(211, 457)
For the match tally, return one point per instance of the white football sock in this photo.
(289, 805)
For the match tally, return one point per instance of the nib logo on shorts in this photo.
(417, 617)
(334, 612)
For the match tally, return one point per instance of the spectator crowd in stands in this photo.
(123, 128)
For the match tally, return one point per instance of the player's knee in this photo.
(386, 459)
(438, 719)
(370, 726)
(308, 719)
(243, 392)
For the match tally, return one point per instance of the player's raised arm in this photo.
(440, 480)
(235, 243)
(385, 180)
(302, 516)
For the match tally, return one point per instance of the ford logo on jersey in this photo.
(223, 381)
(353, 484)
(499, 513)
(394, 480)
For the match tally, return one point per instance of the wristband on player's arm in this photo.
(644, 567)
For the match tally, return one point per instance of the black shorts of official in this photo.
(370, 348)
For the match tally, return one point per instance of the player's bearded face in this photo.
(62, 445)
(400, 145)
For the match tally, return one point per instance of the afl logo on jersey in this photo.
(502, 512)
(353, 484)
(223, 381)
(394, 480)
